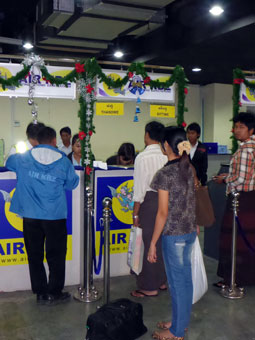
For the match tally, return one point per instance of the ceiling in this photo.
(156, 32)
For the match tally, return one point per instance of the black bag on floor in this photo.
(118, 320)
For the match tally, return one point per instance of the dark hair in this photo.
(74, 139)
(46, 135)
(194, 127)
(173, 135)
(127, 151)
(154, 130)
(33, 130)
(246, 118)
(65, 129)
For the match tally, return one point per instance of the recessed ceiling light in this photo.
(28, 46)
(216, 10)
(196, 69)
(118, 54)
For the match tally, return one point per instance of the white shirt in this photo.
(147, 163)
(193, 150)
(65, 149)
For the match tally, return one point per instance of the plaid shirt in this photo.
(242, 167)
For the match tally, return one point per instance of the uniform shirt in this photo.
(147, 163)
(181, 217)
(193, 150)
(65, 149)
(241, 175)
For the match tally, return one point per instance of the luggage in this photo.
(121, 319)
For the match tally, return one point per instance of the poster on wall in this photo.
(12, 247)
(43, 89)
(247, 94)
(134, 87)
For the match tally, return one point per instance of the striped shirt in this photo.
(147, 163)
(242, 168)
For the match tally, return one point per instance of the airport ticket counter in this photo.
(115, 183)
(14, 272)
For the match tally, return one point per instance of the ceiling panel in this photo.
(148, 3)
(73, 42)
(93, 28)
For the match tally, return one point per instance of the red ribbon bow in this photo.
(238, 81)
(147, 80)
(89, 88)
(82, 135)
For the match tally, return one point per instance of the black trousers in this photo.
(50, 235)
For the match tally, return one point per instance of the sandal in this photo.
(219, 284)
(163, 325)
(158, 336)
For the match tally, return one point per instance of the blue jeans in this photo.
(177, 259)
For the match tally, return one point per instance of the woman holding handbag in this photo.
(176, 221)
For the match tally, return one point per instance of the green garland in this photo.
(86, 72)
(238, 78)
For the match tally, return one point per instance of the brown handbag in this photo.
(204, 209)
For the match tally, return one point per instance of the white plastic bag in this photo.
(135, 250)
(199, 278)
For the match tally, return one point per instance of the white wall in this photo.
(218, 113)
(110, 131)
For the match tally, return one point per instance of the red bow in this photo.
(186, 90)
(90, 132)
(184, 124)
(82, 135)
(130, 75)
(88, 170)
(147, 80)
(238, 81)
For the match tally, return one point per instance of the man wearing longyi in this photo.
(241, 178)
(152, 277)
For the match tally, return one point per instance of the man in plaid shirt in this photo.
(241, 178)
(241, 175)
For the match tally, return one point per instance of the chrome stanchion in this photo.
(232, 291)
(89, 293)
(107, 204)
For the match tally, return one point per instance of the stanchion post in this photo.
(88, 293)
(107, 204)
(232, 291)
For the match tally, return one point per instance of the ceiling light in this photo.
(216, 10)
(28, 46)
(196, 69)
(118, 54)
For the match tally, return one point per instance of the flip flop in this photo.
(219, 284)
(163, 288)
(137, 291)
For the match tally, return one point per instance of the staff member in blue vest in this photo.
(43, 175)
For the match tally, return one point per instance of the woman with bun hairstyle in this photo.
(176, 221)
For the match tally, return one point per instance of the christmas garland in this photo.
(238, 79)
(85, 74)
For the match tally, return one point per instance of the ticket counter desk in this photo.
(14, 272)
(115, 183)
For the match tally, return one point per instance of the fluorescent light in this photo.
(21, 147)
(28, 46)
(196, 69)
(118, 54)
(216, 10)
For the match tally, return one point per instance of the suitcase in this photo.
(121, 319)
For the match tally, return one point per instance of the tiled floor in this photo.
(213, 317)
